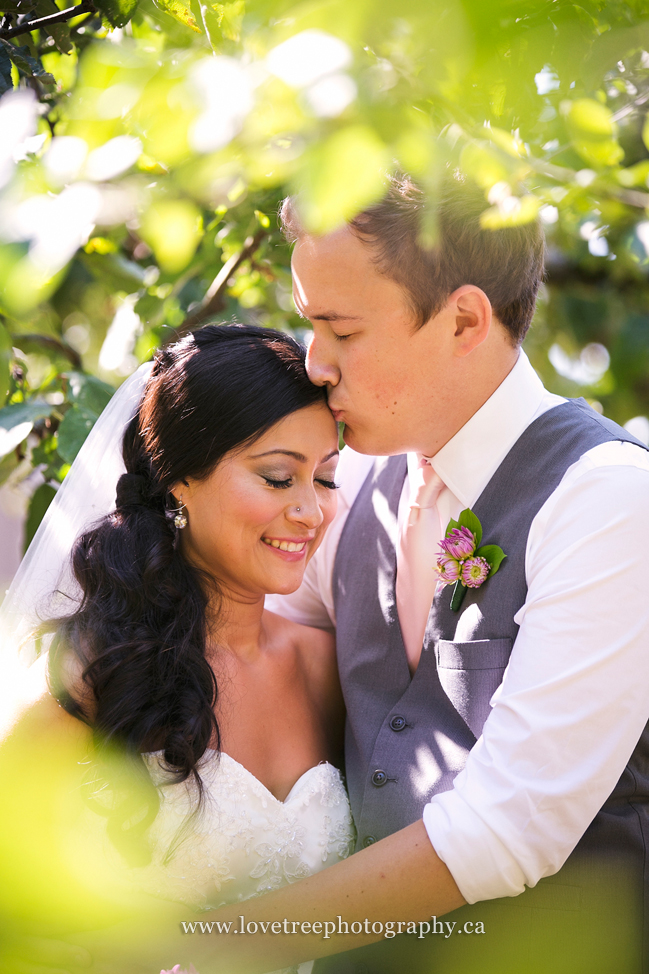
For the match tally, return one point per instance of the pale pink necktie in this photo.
(417, 552)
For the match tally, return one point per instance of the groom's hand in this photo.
(36, 955)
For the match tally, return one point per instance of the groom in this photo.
(497, 756)
(515, 727)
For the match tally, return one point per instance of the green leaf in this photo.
(73, 431)
(45, 455)
(524, 210)
(23, 412)
(179, 11)
(342, 175)
(117, 12)
(59, 32)
(25, 63)
(593, 131)
(16, 423)
(467, 519)
(494, 555)
(88, 392)
(7, 466)
(589, 120)
(230, 16)
(483, 164)
(173, 229)
(5, 364)
(6, 84)
(41, 500)
(452, 524)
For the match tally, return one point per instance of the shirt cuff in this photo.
(480, 864)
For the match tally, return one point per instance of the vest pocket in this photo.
(470, 673)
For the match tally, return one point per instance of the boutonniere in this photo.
(462, 562)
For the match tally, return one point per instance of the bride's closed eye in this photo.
(282, 484)
(279, 484)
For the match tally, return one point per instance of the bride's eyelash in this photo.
(278, 483)
(281, 484)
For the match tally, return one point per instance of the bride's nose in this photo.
(305, 510)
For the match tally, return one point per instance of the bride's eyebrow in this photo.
(291, 453)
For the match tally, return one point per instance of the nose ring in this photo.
(297, 508)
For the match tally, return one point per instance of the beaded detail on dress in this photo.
(244, 841)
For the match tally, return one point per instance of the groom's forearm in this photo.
(399, 878)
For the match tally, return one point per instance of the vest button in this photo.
(398, 722)
(379, 778)
(368, 840)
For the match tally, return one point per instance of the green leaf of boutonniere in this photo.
(451, 525)
(494, 555)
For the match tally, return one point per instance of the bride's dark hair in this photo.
(140, 631)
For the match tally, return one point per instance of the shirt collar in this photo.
(468, 461)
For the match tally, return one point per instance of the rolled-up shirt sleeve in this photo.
(575, 696)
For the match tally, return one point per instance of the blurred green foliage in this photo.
(151, 142)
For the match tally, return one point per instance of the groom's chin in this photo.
(368, 442)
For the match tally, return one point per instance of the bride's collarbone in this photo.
(269, 712)
(276, 738)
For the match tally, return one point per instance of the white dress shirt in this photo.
(575, 695)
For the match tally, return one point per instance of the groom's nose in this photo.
(320, 362)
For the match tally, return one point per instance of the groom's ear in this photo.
(470, 313)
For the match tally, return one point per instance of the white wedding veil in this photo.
(43, 586)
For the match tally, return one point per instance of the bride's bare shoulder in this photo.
(31, 713)
(306, 639)
(313, 651)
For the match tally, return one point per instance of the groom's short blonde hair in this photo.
(507, 264)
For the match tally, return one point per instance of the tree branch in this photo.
(47, 341)
(85, 7)
(214, 301)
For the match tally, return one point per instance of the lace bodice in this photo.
(244, 841)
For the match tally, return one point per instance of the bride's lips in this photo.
(337, 415)
(292, 549)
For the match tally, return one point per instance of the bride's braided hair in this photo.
(140, 629)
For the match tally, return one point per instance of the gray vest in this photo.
(407, 739)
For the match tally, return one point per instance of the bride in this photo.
(228, 718)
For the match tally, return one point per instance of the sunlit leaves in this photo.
(60, 33)
(593, 132)
(5, 363)
(26, 64)
(229, 18)
(118, 12)
(180, 11)
(38, 505)
(484, 165)
(73, 431)
(16, 422)
(88, 392)
(173, 229)
(341, 176)
(206, 114)
(512, 211)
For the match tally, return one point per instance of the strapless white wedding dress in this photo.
(244, 841)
